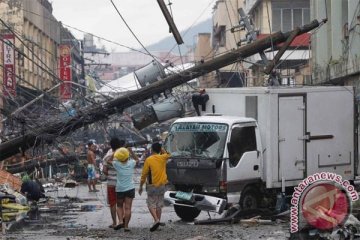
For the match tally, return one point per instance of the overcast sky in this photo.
(145, 18)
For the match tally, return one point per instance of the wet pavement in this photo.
(75, 213)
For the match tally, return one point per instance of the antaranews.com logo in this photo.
(322, 200)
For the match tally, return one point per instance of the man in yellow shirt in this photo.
(154, 171)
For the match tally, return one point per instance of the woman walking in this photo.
(125, 188)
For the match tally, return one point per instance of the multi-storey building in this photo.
(36, 35)
(222, 40)
(336, 45)
(75, 68)
(29, 34)
(31, 40)
(269, 16)
(203, 51)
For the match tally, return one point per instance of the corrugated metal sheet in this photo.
(302, 40)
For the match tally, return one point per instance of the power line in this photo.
(116, 43)
(196, 20)
(82, 31)
(50, 72)
(229, 17)
(270, 30)
(22, 79)
(326, 9)
(181, 58)
(352, 21)
(297, 47)
(19, 38)
(127, 25)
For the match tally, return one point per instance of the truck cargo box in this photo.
(303, 130)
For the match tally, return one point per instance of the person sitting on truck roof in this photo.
(154, 171)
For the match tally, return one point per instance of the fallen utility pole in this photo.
(102, 111)
(31, 164)
(170, 21)
(270, 66)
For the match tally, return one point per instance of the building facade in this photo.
(336, 45)
(36, 38)
(269, 16)
(266, 17)
(224, 38)
(117, 64)
(29, 37)
(75, 68)
(202, 52)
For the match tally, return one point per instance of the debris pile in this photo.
(13, 205)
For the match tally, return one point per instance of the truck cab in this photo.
(265, 142)
(212, 158)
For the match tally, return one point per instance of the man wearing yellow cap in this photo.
(125, 188)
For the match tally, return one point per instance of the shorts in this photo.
(111, 195)
(127, 194)
(155, 196)
(91, 172)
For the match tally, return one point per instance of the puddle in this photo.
(53, 214)
(75, 226)
(76, 199)
(90, 208)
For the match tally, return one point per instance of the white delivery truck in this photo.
(253, 143)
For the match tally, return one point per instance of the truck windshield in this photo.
(197, 140)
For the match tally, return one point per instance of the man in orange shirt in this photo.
(154, 171)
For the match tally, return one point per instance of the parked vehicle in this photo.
(258, 142)
(140, 152)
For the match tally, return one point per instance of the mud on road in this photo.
(77, 214)
(172, 230)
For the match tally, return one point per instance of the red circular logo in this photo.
(325, 206)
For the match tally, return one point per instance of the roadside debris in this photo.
(247, 216)
(68, 183)
(255, 220)
(11, 180)
(13, 205)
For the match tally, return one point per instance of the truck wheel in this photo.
(250, 199)
(187, 214)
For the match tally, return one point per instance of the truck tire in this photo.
(187, 214)
(250, 199)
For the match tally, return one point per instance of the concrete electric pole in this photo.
(96, 113)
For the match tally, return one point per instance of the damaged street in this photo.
(74, 213)
(195, 120)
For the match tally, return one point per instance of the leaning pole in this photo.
(93, 114)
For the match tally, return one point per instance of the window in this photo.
(242, 140)
(286, 19)
(219, 38)
(289, 81)
(201, 140)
